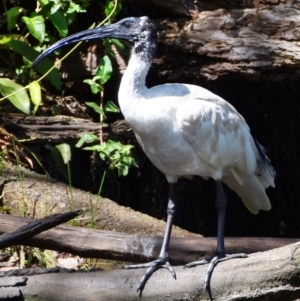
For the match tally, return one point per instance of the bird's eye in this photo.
(127, 24)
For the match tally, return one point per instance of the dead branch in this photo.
(34, 227)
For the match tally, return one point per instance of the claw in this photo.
(212, 264)
(160, 263)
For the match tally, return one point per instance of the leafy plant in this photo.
(103, 74)
(33, 39)
(61, 154)
(114, 152)
(20, 99)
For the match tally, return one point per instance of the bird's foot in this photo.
(162, 262)
(212, 263)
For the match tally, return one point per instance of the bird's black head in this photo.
(139, 31)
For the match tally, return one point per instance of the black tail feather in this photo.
(264, 163)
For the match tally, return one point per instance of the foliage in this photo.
(28, 44)
(20, 99)
(103, 74)
(33, 40)
(61, 154)
(118, 155)
(27, 257)
(27, 36)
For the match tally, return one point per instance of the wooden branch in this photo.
(272, 275)
(92, 243)
(57, 129)
(33, 227)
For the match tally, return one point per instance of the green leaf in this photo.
(65, 151)
(57, 18)
(96, 108)
(24, 49)
(54, 8)
(50, 259)
(36, 27)
(20, 100)
(88, 81)
(110, 6)
(4, 39)
(104, 69)
(102, 156)
(76, 8)
(95, 87)
(86, 138)
(11, 17)
(111, 107)
(60, 23)
(96, 148)
(59, 161)
(112, 145)
(36, 95)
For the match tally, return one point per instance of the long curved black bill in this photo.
(116, 30)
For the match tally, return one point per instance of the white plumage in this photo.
(185, 130)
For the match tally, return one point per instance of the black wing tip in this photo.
(263, 160)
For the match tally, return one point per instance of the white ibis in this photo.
(186, 131)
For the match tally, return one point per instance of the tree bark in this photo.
(260, 43)
(91, 243)
(61, 129)
(256, 39)
(272, 275)
(192, 8)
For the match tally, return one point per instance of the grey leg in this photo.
(220, 203)
(163, 260)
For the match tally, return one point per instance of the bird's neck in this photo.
(133, 88)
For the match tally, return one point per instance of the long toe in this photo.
(196, 263)
(160, 263)
(212, 263)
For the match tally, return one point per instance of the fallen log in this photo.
(61, 129)
(111, 245)
(36, 196)
(272, 275)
